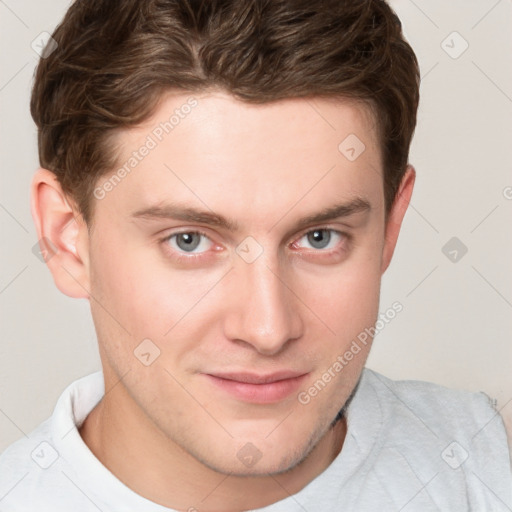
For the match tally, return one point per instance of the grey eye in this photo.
(187, 241)
(319, 238)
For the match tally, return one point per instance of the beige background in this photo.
(457, 318)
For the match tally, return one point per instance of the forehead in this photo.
(216, 120)
(213, 150)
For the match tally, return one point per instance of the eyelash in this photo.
(190, 257)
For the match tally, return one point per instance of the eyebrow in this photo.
(180, 212)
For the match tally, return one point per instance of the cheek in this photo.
(347, 302)
(145, 294)
(346, 298)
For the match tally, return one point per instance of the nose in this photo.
(263, 310)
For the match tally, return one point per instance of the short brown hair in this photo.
(115, 59)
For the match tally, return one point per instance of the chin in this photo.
(259, 457)
(265, 466)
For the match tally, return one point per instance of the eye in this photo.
(189, 241)
(322, 239)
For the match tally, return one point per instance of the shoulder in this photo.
(38, 471)
(418, 406)
(23, 453)
(507, 419)
(440, 406)
(24, 465)
(453, 439)
(35, 475)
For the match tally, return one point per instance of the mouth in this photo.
(259, 389)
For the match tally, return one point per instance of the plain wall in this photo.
(456, 321)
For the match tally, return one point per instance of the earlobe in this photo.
(396, 215)
(62, 235)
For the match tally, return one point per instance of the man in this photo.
(225, 183)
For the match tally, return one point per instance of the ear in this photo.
(62, 233)
(396, 215)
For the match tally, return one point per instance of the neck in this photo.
(132, 447)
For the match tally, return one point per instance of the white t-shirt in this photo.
(410, 446)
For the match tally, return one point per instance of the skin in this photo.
(164, 429)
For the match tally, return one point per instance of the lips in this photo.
(252, 378)
(257, 388)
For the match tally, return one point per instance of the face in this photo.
(220, 295)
